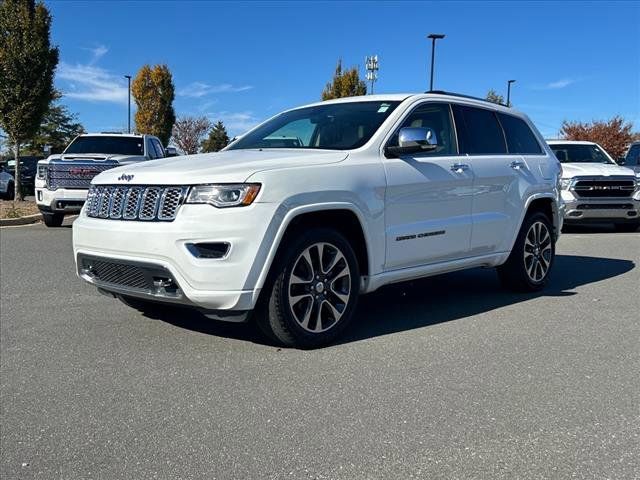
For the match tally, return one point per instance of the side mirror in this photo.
(170, 152)
(413, 140)
(622, 161)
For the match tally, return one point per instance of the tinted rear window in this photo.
(107, 145)
(520, 138)
(479, 132)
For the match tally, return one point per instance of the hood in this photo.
(585, 169)
(232, 166)
(93, 157)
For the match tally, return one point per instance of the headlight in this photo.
(224, 195)
(42, 172)
(565, 183)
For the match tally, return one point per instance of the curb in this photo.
(7, 222)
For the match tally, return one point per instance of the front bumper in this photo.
(228, 283)
(590, 210)
(61, 200)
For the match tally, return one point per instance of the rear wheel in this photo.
(627, 227)
(11, 191)
(52, 219)
(528, 266)
(313, 290)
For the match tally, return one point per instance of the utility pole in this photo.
(509, 82)
(371, 64)
(128, 77)
(433, 37)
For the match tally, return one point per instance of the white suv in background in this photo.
(322, 203)
(63, 180)
(594, 188)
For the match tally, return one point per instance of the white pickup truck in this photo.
(594, 188)
(298, 217)
(63, 180)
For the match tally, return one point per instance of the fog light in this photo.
(209, 249)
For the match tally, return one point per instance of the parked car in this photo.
(632, 158)
(28, 168)
(7, 187)
(63, 180)
(594, 188)
(382, 189)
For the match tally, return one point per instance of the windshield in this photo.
(107, 145)
(337, 126)
(570, 153)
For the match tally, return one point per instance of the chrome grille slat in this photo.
(143, 203)
(75, 174)
(604, 187)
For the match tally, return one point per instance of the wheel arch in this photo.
(344, 217)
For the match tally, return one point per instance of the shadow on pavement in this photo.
(433, 300)
(590, 228)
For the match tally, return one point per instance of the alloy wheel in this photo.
(319, 287)
(537, 251)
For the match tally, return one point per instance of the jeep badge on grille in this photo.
(124, 177)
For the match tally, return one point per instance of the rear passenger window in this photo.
(520, 138)
(479, 132)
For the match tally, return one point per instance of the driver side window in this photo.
(437, 117)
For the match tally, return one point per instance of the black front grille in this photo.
(605, 188)
(146, 203)
(75, 174)
(118, 274)
(124, 276)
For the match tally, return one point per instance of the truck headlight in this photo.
(42, 172)
(224, 195)
(565, 183)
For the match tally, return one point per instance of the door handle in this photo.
(459, 167)
(517, 164)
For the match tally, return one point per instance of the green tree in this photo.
(153, 92)
(495, 97)
(57, 129)
(27, 64)
(344, 84)
(217, 140)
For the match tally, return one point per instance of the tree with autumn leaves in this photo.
(614, 135)
(345, 83)
(153, 92)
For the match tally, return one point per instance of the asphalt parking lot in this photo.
(448, 377)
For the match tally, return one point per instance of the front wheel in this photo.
(313, 290)
(53, 219)
(528, 266)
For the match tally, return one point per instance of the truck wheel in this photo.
(627, 227)
(528, 266)
(52, 219)
(313, 290)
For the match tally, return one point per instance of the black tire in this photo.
(516, 273)
(11, 191)
(282, 318)
(52, 219)
(627, 227)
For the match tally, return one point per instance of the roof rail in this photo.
(461, 95)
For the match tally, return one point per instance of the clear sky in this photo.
(243, 62)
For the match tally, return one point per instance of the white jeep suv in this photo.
(594, 188)
(63, 180)
(322, 203)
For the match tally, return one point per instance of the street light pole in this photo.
(433, 37)
(509, 82)
(128, 77)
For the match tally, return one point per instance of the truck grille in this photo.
(146, 203)
(75, 174)
(605, 187)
